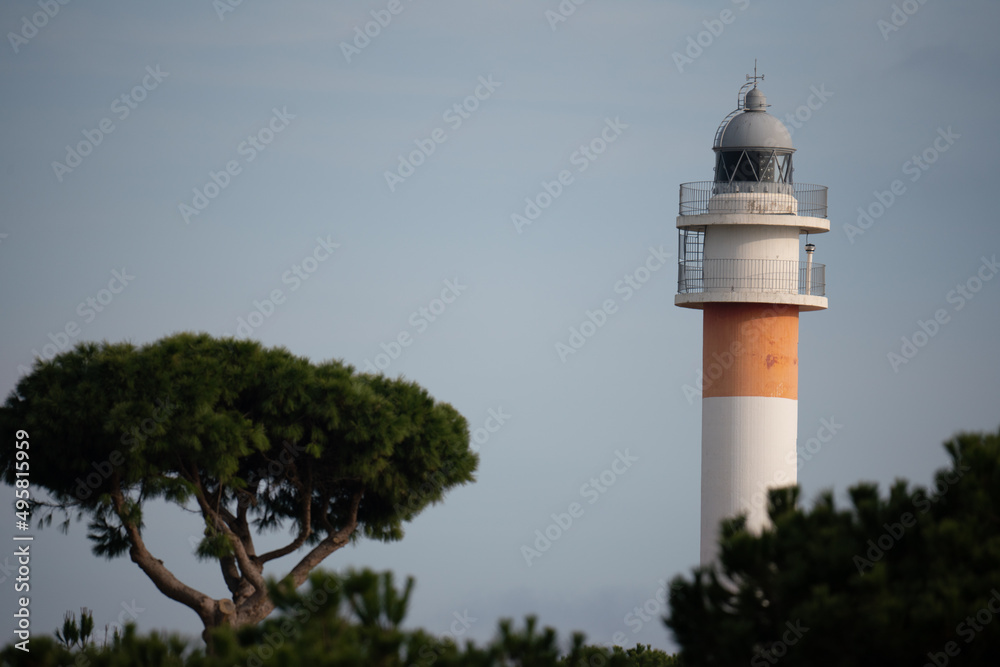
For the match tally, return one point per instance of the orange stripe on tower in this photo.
(751, 349)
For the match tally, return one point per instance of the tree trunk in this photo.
(248, 609)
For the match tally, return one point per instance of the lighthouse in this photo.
(744, 260)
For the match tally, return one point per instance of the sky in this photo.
(273, 171)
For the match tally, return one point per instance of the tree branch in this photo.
(162, 578)
(324, 517)
(333, 541)
(250, 570)
(230, 574)
(240, 527)
(305, 529)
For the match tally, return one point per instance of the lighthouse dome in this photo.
(754, 127)
(755, 100)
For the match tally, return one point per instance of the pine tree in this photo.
(252, 438)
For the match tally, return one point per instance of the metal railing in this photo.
(751, 275)
(779, 198)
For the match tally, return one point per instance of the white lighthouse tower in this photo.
(743, 263)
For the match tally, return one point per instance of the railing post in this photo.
(810, 249)
(726, 274)
(695, 197)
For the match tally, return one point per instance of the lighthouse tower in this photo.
(743, 263)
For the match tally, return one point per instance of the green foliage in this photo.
(351, 620)
(106, 533)
(215, 544)
(73, 634)
(529, 647)
(375, 601)
(887, 581)
(69, 636)
(144, 419)
(254, 438)
(616, 656)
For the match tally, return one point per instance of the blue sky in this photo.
(287, 135)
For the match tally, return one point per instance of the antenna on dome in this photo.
(755, 78)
